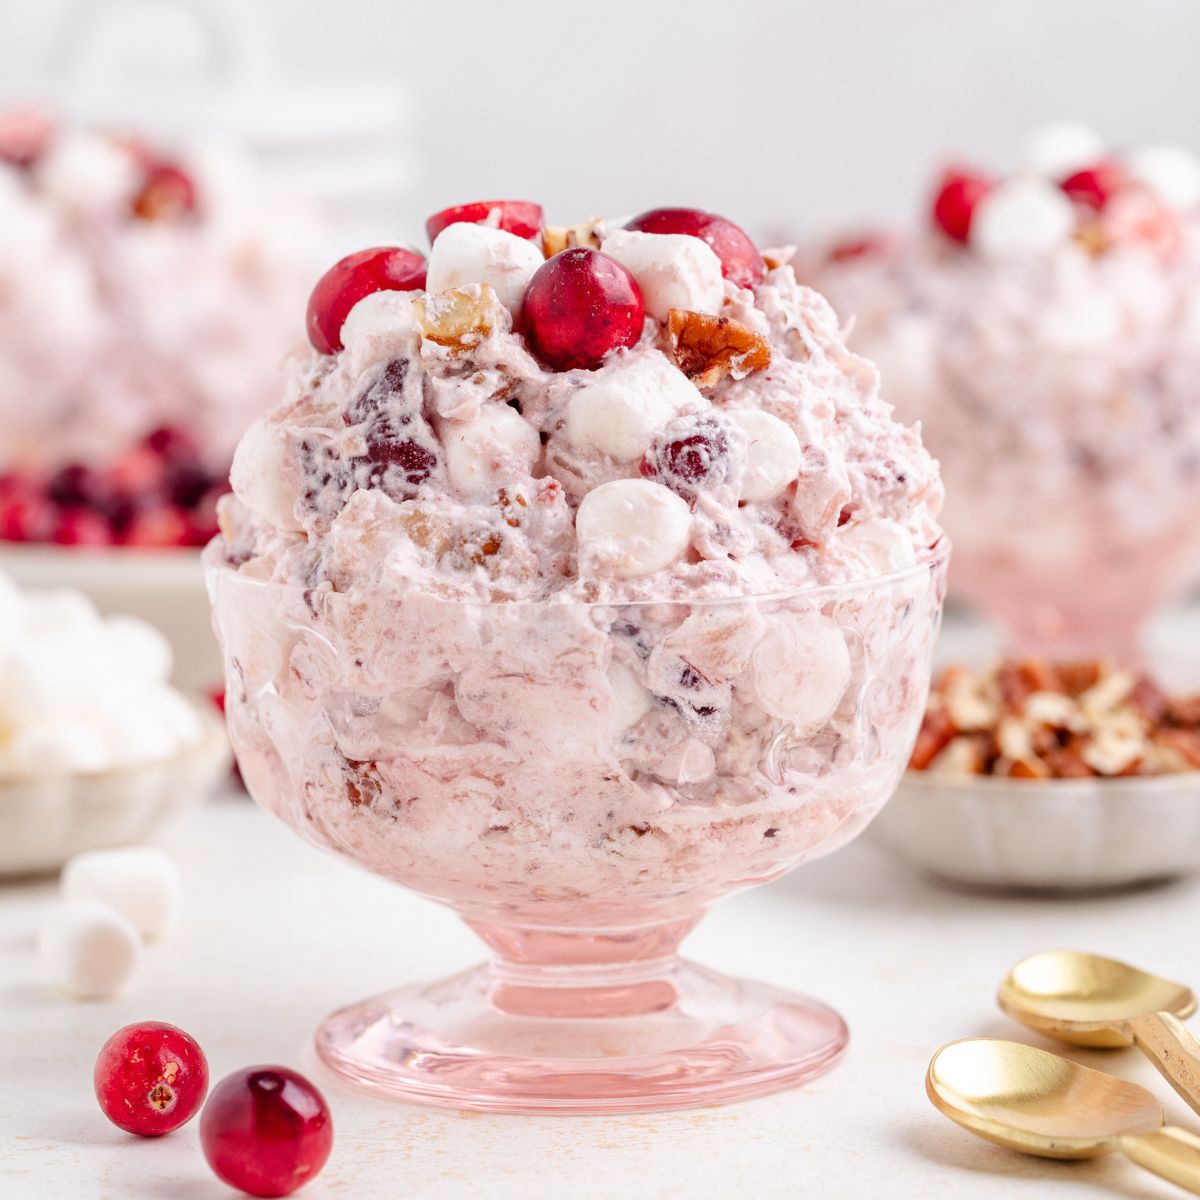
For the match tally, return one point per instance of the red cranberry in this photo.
(954, 204)
(521, 217)
(202, 520)
(27, 517)
(266, 1130)
(139, 472)
(82, 527)
(870, 245)
(24, 137)
(150, 1078)
(690, 455)
(158, 527)
(175, 445)
(77, 483)
(382, 269)
(1094, 186)
(166, 194)
(741, 262)
(580, 306)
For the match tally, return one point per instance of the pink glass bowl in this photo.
(578, 782)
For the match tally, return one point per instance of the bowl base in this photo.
(697, 1038)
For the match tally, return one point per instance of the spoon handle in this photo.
(1171, 1153)
(1174, 1050)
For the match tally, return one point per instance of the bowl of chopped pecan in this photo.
(1060, 776)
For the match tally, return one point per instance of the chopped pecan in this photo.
(1066, 762)
(1148, 700)
(707, 349)
(1019, 680)
(1185, 743)
(1184, 711)
(1028, 768)
(1077, 677)
(556, 238)
(778, 256)
(460, 318)
(937, 730)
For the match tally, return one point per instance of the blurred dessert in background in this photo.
(1045, 328)
(146, 300)
(1036, 719)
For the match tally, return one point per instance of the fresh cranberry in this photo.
(150, 1078)
(77, 483)
(166, 194)
(266, 1130)
(1094, 186)
(579, 307)
(871, 245)
(137, 473)
(82, 527)
(171, 443)
(690, 455)
(202, 520)
(382, 269)
(958, 194)
(158, 527)
(24, 137)
(741, 262)
(187, 483)
(27, 517)
(521, 217)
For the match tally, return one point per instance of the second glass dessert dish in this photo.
(576, 626)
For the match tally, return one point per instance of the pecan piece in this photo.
(556, 238)
(460, 318)
(707, 349)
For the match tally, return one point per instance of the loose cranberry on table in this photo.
(1094, 186)
(266, 1130)
(580, 306)
(381, 269)
(522, 217)
(955, 201)
(741, 263)
(150, 1078)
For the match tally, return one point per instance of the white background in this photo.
(785, 116)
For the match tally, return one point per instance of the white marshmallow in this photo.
(674, 270)
(800, 670)
(88, 171)
(1061, 148)
(619, 412)
(63, 745)
(264, 474)
(630, 701)
(1171, 172)
(883, 544)
(379, 315)
(59, 612)
(88, 949)
(494, 445)
(141, 882)
(772, 456)
(142, 649)
(1021, 217)
(635, 526)
(464, 254)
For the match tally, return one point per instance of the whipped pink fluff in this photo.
(1052, 360)
(113, 324)
(542, 643)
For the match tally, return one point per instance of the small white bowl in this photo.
(47, 819)
(164, 587)
(1058, 834)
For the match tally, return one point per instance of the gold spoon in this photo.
(1038, 1103)
(1088, 1000)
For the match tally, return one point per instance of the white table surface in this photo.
(277, 934)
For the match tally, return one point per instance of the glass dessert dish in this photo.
(578, 781)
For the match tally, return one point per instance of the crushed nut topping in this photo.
(460, 318)
(1034, 719)
(556, 238)
(707, 349)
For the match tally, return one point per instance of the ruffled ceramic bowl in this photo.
(1057, 834)
(46, 819)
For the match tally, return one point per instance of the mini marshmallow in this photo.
(464, 254)
(143, 650)
(264, 474)
(619, 413)
(379, 315)
(772, 456)
(88, 949)
(635, 524)
(88, 171)
(800, 670)
(494, 445)
(674, 270)
(141, 882)
(1021, 217)
(1170, 172)
(1061, 148)
(883, 544)
(630, 701)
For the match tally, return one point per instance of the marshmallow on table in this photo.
(141, 882)
(1020, 217)
(800, 670)
(88, 948)
(772, 455)
(1171, 172)
(1061, 148)
(621, 409)
(464, 254)
(673, 270)
(495, 444)
(635, 526)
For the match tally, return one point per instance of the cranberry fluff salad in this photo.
(579, 565)
(1045, 328)
(144, 306)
